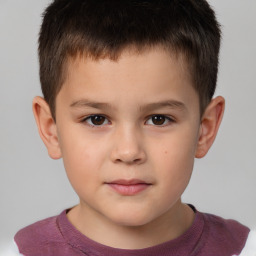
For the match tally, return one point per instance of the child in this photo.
(128, 105)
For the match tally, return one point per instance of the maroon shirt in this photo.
(209, 235)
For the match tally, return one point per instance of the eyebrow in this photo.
(172, 104)
(87, 103)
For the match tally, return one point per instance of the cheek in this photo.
(79, 149)
(174, 160)
(175, 150)
(82, 160)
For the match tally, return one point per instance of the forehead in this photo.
(150, 73)
(155, 58)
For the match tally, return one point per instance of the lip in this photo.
(128, 187)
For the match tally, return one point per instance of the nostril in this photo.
(138, 160)
(129, 158)
(127, 149)
(129, 161)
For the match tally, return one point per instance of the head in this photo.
(103, 29)
(128, 105)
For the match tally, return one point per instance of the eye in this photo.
(96, 120)
(159, 120)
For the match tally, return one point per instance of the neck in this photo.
(169, 226)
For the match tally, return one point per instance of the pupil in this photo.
(158, 120)
(98, 120)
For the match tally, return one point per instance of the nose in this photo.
(128, 147)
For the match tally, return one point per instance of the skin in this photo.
(127, 143)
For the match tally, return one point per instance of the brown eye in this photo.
(159, 120)
(96, 120)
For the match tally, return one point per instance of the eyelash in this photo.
(85, 120)
(167, 120)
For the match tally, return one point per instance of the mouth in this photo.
(128, 187)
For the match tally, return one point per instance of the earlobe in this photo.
(46, 127)
(210, 123)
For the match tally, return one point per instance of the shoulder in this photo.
(41, 230)
(224, 235)
(39, 237)
(231, 228)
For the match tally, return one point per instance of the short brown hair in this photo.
(104, 28)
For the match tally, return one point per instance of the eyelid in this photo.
(84, 120)
(168, 118)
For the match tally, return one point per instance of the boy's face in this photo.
(128, 133)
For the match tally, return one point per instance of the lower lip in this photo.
(129, 190)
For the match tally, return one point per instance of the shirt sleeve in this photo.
(250, 246)
(12, 250)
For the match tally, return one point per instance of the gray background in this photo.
(32, 186)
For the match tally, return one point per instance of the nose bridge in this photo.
(128, 145)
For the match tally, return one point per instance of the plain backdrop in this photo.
(33, 186)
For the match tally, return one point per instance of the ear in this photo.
(46, 127)
(210, 123)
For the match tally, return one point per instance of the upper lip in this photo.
(128, 182)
